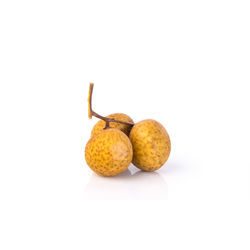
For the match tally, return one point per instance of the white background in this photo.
(183, 63)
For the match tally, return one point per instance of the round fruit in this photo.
(151, 145)
(109, 152)
(100, 125)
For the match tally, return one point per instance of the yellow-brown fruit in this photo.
(151, 145)
(100, 125)
(109, 152)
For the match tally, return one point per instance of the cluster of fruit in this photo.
(116, 142)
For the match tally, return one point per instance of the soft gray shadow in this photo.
(127, 186)
(176, 167)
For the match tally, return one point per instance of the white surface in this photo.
(183, 63)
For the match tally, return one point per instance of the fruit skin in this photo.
(151, 145)
(109, 152)
(100, 125)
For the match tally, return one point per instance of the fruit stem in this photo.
(92, 113)
(107, 125)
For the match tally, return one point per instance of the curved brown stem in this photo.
(92, 113)
(107, 125)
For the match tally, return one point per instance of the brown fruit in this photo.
(100, 125)
(151, 145)
(109, 152)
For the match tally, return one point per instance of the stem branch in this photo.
(92, 113)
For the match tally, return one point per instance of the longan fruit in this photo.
(151, 145)
(109, 152)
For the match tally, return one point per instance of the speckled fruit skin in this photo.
(109, 152)
(151, 145)
(100, 125)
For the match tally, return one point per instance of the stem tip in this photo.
(91, 86)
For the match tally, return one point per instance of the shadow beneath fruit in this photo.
(130, 185)
(170, 167)
(180, 167)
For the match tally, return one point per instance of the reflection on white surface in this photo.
(131, 184)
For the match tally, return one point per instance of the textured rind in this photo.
(151, 145)
(100, 125)
(109, 152)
